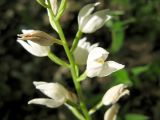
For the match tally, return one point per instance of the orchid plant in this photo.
(81, 53)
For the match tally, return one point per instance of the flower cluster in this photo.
(93, 57)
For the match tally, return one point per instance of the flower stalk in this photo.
(57, 60)
(76, 40)
(72, 66)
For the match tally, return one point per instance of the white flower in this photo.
(114, 94)
(82, 50)
(111, 113)
(57, 94)
(32, 47)
(97, 64)
(90, 22)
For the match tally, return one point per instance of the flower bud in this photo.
(57, 94)
(90, 22)
(114, 94)
(38, 37)
(53, 90)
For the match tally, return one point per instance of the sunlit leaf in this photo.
(121, 76)
(134, 116)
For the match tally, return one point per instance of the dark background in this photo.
(140, 52)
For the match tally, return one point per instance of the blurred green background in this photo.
(132, 37)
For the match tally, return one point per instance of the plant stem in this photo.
(56, 59)
(76, 40)
(76, 113)
(95, 108)
(73, 73)
(72, 66)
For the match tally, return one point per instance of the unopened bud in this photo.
(38, 37)
(114, 94)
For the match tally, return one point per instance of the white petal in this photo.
(35, 49)
(111, 113)
(94, 69)
(93, 46)
(36, 83)
(94, 22)
(24, 31)
(97, 53)
(80, 55)
(114, 94)
(110, 67)
(54, 6)
(86, 11)
(81, 52)
(53, 90)
(40, 50)
(47, 102)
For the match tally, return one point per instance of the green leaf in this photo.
(140, 69)
(134, 116)
(118, 35)
(121, 76)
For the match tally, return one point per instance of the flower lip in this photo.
(97, 64)
(114, 94)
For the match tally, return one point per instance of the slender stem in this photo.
(57, 41)
(73, 104)
(82, 77)
(56, 59)
(73, 72)
(72, 66)
(42, 3)
(76, 40)
(61, 9)
(95, 108)
(76, 112)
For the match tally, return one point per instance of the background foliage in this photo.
(132, 37)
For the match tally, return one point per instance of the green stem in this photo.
(76, 40)
(82, 77)
(73, 104)
(73, 72)
(95, 108)
(72, 66)
(76, 112)
(42, 2)
(61, 9)
(56, 59)
(57, 41)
